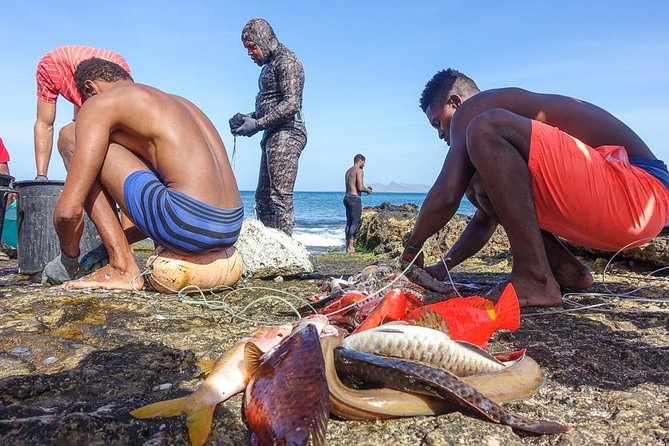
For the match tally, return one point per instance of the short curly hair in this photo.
(444, 82)
(97, 69)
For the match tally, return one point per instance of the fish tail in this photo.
(167, 408)
(534, 426)
(199, 424)
(198, 419)
(507, 310)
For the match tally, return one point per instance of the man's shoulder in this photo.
(285, 56)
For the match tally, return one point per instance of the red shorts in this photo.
(593, 197)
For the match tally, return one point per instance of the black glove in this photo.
(248, 128)
(236, 122)
(61, 269)
(41, 178)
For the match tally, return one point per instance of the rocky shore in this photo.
(73, 364)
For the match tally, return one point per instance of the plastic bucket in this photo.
(9, 226)
(5, 188)
(37, 239)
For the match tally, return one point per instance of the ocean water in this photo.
(320, 217)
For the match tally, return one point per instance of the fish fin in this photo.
(508, 310)
(430, 319)
(167, 408)
(470, 302)
(384, 329)
(475, 348)
(511, 357)
(320, 426)
(199, 424)
(206, 366)
(252, 354)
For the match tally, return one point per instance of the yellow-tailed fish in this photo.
(228, 377)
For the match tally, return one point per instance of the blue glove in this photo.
(248, 128)
(61, 269)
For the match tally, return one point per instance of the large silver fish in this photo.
(520, 379)
(409, 376)
(425, 345)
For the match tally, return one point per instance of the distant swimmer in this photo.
(160, 159)
(352, 201)
(278, 112)
(543, 166)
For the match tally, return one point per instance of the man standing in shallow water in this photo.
(130, 146)
(278, 112)
(352, 201)
(542, 166)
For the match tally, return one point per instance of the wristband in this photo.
(411, 249)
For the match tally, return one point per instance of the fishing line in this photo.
(377, 292)
(234, 151)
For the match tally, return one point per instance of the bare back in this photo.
(354, 180)
(169, 133)
(587, 122)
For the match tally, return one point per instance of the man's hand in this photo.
(248, 128)
(61, 269)
(236, 122)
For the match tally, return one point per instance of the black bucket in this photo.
(37, 239)
(6, 182)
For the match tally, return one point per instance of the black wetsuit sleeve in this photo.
(290, 83)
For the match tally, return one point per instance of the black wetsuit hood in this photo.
(260, 32)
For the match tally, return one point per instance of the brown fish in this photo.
(414, 377)
(421, 277)
(286, 400)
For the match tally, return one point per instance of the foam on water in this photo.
(320, 236)
(320, 217)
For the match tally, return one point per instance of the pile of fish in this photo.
(411, 359)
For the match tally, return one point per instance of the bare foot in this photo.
(567, 270)
(531, 293)
(108, 277)
(573, 275)
(438, 271)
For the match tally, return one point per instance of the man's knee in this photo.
(485, 127)
(66, 141)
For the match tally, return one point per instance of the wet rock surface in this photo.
(74, 363)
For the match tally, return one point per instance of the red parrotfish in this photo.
(287, 399)
(473, 319)
(394, 306)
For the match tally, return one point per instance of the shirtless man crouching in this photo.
(160, 159)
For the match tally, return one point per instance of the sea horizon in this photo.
(320, 216)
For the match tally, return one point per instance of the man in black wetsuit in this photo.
(278, 111)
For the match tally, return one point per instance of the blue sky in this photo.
(366, 63)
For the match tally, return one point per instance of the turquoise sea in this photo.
(320, 216)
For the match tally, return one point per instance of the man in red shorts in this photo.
(541, 166)
(55, 76)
